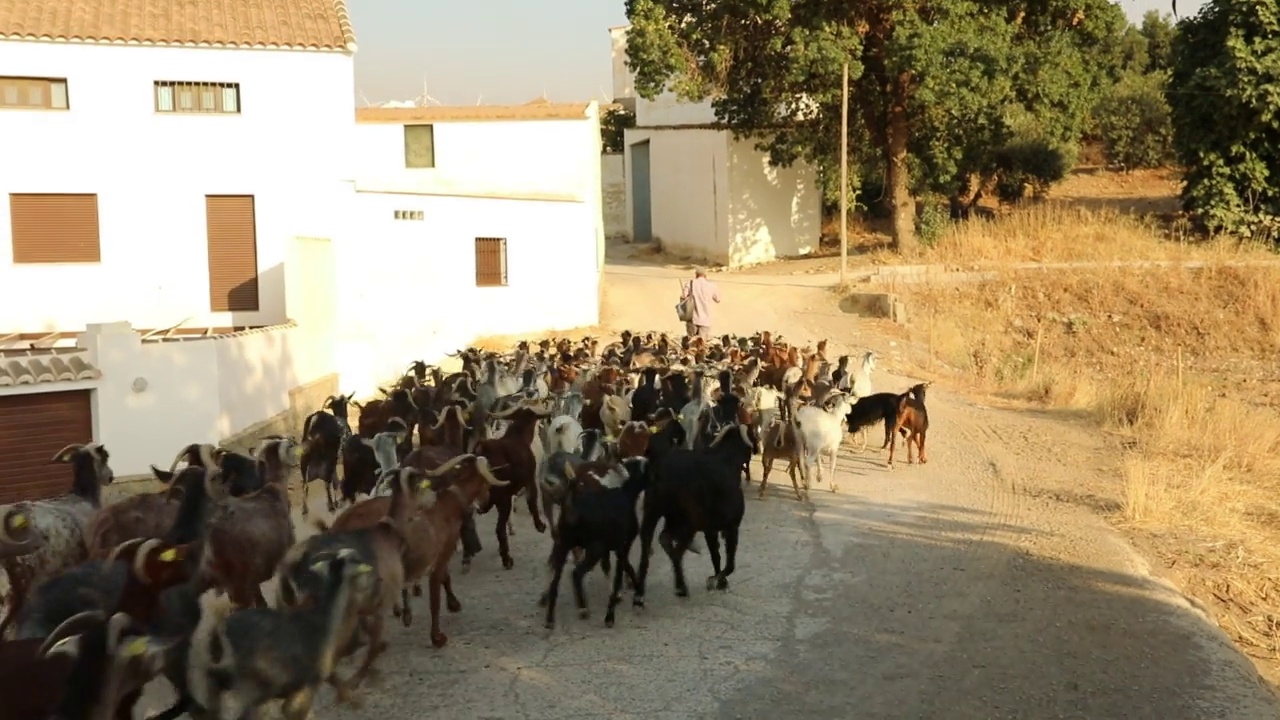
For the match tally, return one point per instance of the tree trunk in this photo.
(898, 174)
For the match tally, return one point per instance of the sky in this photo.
(508, 51)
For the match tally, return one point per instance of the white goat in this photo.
(690, 415)
(762, 401)
(821, 431)
(384, 451)
(615, 412)
(862, 381)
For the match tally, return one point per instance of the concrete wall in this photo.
(689, 190)
(613, 192)
(624, 86)
(407, 291)
(151, 172)
(773, 212)
(667, 110)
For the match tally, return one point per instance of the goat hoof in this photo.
(406, 618)
(417, 590)
(542, 601)
(438, 639)
(453, 605)
(466, 565)
(637, 602)
(395, 610)
(722, 583)
(508, 563)
(682, 592)
(550, 624)
(834, 487)
(711, 582)
(608, 621)
(584, 613)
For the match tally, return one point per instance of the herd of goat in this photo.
(105, 598)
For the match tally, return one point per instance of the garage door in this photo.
(32, 429)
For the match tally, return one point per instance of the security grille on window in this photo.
(419, 146)
(409, 214)
(491, 262)
(193, 97)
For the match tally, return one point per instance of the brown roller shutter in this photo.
(32, 429)
(233, 253)
(54, 228)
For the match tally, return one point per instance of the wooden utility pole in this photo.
(844, 174)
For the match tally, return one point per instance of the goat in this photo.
(912, 421)
(694, 491)
(246, 537)
(322, 440)
(16, 538)
(381, 546)
(783, 440)
(873, 408)
(646, 397)
(145, 515)
(82, 669)
(862, 381)
(261, 654)
(821, 430)
(364, 459)
(513, 460)
(57, 525)
(600, 521)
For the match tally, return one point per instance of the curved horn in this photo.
(179, 457)
(486, 472)
(72, 447)
(455, 462)
(140, 560)
(440, 420)
(117, 550)
(504, 414)
(115, 628)
(15, 517)
(70, 627)
(328, 401)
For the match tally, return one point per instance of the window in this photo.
(491, 262)
(194, 97)
(419, 146)
(33, 93)
(54, 228)
(409, 214)
(233, 253)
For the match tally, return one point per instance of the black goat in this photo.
(322, 439)
(882, 406)
(694, 491)
(646, 397)
(598, 515)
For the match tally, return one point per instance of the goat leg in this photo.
(438, 638)
(713, 549)
(920, 443)
(675, 551)
(451, 601)
(531, 500)
(647, 527)
(406, 613)
(594, 552)
(730, 556)
(766, 465)
(615, 596)
(504, 516)
(470, 539)
(298, 705)
(559, 555)
(376, 647)
(305, 483)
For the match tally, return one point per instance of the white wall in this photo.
(667, 110)
(773, 212)
(690, 192)
(624, 86)
(406, 289)
(151, 172)
(613, 192)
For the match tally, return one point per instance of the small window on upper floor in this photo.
(27, 93)
(419, 146)
(197, 97)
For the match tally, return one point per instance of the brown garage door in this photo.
(32, 429)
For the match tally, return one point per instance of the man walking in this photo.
(702, 292)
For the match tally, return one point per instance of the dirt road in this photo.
(981, 585)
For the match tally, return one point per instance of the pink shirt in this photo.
(704, 293)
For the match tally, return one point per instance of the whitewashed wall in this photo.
(689, 190)
(624, 86)
(773, 212)
(151, 172)
(613, 195)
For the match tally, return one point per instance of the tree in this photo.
(1224, 93)
(613, 123)
(1132, 120)
(937, 87)
(1158, 31)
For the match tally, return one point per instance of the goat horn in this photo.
(440, 420)
(328, 401)
(482, 466)
(448, 465)
(116, 626)
(70, 448)
(70, 627)
(13, 516)
(140, 560)
(115, 551)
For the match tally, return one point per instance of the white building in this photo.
(157, 168)
(700, 193)
(487, 221)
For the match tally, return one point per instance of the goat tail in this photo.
(210, 658)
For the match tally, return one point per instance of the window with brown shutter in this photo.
(491, 262)
(51, 228)
(233, 253)
(26, 93)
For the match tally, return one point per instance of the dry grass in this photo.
(1181, 365)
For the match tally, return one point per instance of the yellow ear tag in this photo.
(425, 484)
(653, 429)
(169, 555)
(608, 438)
(136, 647)
(18, 520)
(297, 451)
(363, 568)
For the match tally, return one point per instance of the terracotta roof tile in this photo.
(45, 369)
(471, 113)
(267, 24)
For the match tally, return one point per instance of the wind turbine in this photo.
(425, 98)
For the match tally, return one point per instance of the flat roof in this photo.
(473, 113)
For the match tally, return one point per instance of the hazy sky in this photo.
(507, 51)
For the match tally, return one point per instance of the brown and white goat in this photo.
(57, 525)
(145, 515)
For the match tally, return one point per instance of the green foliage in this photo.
(1133, 123)
(613, 123)
(1158, 31)
(1224, 93)
(932, 222)
(1029, 165)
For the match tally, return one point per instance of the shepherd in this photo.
(696, 297)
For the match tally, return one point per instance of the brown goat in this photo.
(912, 421)
(155, 566)
(783, 440)
(511, 457)
(633, 441)
(245, 538)
(431, 534)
